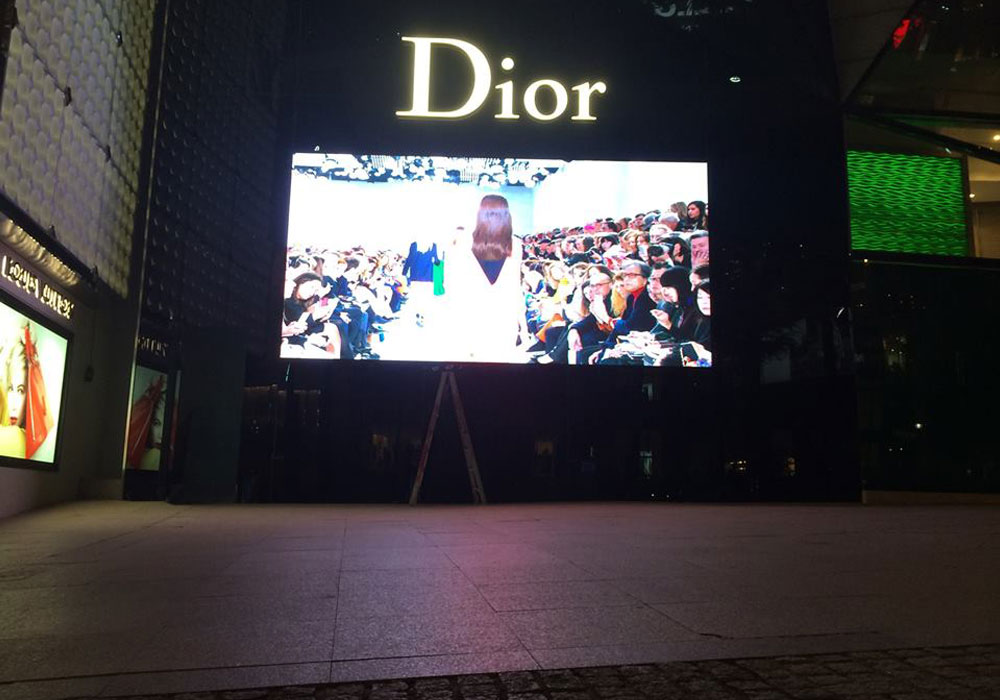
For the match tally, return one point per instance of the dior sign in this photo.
(482, 85)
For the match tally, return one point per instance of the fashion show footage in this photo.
(444, 259)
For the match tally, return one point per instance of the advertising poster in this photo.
(145, 428)
(32, 369)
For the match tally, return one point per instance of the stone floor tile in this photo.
(113, 589)
(445, 631)
(580, 627)
(433, 665)
(549, 595)
(218, 679)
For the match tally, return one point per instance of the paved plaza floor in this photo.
(110, 599)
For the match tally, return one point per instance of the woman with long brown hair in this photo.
(485, 288)
(493, 237)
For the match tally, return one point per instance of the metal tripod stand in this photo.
(475, 481)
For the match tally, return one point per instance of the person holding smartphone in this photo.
(306, 313)
(673, 305)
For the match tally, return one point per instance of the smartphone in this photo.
(689, 352)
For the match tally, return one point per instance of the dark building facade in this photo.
(808, 398)
(749, 88)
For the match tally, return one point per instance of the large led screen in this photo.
(515, 260)
(32, 368)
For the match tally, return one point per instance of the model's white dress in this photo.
(483, 317)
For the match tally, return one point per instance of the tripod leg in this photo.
(475, 481)
(425, 450)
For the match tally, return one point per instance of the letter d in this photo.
(482, 79)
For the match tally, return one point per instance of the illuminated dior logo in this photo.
(482, 78)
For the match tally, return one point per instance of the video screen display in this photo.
(510, 260)
(32, 369)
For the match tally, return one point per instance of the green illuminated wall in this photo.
(907, 204)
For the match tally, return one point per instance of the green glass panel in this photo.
(907, 204)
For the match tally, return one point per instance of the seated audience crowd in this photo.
(622, 291)
(610, 292)
(335, 302)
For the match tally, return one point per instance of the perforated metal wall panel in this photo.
(74, 99)
(210, 248)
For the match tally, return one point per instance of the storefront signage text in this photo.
(29, 283)
(483, 78)
(154, 347)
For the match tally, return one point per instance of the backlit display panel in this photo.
(511, 260)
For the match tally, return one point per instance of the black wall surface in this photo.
(209, 245)
(210, 241)
(773, 141)
(927, 379)
(205, 463)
